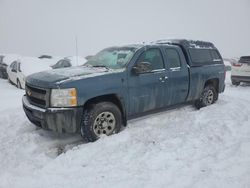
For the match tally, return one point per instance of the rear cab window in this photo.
(215, 55)
(204, 56)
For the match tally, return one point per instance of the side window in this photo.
(15, 66)
(173, 58)
(215, 55)
(57, 65)
(11, 65)
(154, 57)
(60, 64)
(66, 63)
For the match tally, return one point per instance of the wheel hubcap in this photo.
(209, 97)
(104, 123)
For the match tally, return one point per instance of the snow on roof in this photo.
(9, 58)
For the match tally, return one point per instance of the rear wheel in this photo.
(103, 118)
(209, 96)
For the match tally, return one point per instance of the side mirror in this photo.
(142, 67)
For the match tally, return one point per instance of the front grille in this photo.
(37, 96)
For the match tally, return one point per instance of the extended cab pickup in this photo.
(119, 83)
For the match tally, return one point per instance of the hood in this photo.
(54, 77)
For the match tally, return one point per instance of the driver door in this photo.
(147, 90)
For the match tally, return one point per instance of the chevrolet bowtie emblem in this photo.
(29, 92)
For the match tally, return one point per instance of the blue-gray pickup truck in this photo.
(120, 83)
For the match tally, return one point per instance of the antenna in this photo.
(76, 50)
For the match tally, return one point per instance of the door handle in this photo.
(163, 78)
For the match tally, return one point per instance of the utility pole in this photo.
(76, 50)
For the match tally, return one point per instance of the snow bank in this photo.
(178, 148)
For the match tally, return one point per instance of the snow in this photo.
(183, 147)
(193, 44)
(9, 58)
(30, 65)
(86, 72)
(227, 62)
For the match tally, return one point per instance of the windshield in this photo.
(114, 58)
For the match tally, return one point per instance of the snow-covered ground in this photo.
(178, 148)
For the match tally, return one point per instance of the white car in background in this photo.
(241, 70)
(22, 67)
(5, 61)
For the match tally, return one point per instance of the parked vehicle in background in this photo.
(69, 61)
(241, 71)
(3, 67)
(120, 83)
(62, 63)
(45, 57)
(21, 68)
(5, 61)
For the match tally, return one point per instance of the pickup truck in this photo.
(120, 83)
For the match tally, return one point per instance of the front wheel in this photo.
(103, 118)
(209, 96)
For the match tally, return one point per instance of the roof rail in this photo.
(187, 43)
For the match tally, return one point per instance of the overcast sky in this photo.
(34, 27)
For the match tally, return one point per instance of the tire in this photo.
(235, 83)
(100, 118)
(209, 96)
(18, 84)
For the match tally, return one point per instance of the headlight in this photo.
(63, 97)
